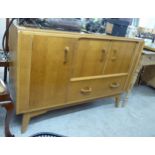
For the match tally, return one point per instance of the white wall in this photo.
(147, 22)
(2, 29)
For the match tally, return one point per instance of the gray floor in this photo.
(99, 118)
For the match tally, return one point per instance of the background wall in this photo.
(147, 22)
(2, 29)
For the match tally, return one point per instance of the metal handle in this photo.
(115, 85)
(86, 90)
(66, 50)
(103, 52)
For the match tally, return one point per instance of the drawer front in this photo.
(89, 89)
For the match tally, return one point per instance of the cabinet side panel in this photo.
(13, 47)
(134, 65)
(23, 71)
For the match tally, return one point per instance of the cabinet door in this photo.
(120, 58)
(90, 57)
(50, 70)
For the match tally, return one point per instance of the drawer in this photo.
(89, 89)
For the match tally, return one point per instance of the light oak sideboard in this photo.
(55, 69)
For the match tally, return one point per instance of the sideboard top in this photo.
(78, 35)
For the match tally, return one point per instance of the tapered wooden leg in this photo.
(9, 108)
(125, 100)
(28, 116)
(25, 122)
(117, 101)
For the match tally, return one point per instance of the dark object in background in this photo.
(112, 26)
(94, 26)
(65, 24)
(116, 27)
(5, 45)
(46, 134)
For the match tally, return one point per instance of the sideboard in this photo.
(55, 69)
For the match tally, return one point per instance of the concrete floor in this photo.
(98, 118)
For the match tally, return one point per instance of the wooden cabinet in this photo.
(54, 69)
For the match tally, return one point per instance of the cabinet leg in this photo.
(125, 100)
(25, 122)
(117, 101)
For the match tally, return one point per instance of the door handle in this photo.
(114, 51)
(103, 53)
(66, 50)
(114, 57)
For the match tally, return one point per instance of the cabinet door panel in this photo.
(90, 57)
(120, 58)
(50, 71)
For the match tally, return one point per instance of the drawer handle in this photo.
(66, 50)
(103, 53)
(86, 90)
(115, 85)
